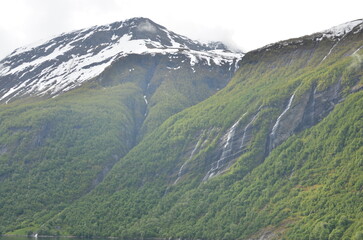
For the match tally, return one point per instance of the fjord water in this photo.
(43, 238)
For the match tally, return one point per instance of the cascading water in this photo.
(146, 103)
(226, 151)
(313, 107)
(274, 128)
(276, 125)
(180, 172)
(331, 49)
(245, 131)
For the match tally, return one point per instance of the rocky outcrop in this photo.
(300, 112)
(305, 112)
(234, 142)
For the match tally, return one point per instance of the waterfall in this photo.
(146, 102)
(356, 50)
(313, 107)
(227, 148)
(246, 128)
(331, 49)
(190, 157)
(274, 128)
(226, 151)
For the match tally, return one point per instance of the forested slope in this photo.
(73, 106)
(276, 152)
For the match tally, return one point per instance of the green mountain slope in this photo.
(169, 83)
(53, 151)
(276, 152)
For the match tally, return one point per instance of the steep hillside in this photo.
(73, 106)
(53, 152)
(172, 71)
(276, 152)
(94, 142)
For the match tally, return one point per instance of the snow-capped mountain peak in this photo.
(342, 29)
(334, 34)
(66, 61)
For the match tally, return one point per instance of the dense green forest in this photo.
(53, 152)
(309, 185)
(88, 163)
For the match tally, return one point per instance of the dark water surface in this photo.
(48, 238)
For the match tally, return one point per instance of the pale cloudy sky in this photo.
(246, 24)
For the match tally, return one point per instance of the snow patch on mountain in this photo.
(342, 29)
(65, 62)
(335, 33)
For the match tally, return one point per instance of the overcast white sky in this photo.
(246, 24)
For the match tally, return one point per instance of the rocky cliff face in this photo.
(307, 103)
(310, 109)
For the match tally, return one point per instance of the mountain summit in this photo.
(68, 60)
(334, 34)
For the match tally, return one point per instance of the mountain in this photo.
(275, 154)
(172, 71)
(66, 61)
(72, 106)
